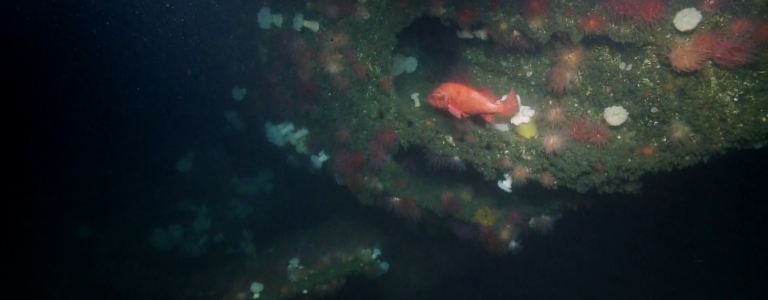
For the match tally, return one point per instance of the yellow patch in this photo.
(486, 216)
(527, 130)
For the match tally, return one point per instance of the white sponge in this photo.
(276, 134)
(615, 115)
(687, 19)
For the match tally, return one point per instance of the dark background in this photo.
(99, 95)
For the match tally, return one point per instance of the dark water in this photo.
(103, 99)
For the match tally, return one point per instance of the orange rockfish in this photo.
(463, 101)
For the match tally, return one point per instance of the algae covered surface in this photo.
(567, 60)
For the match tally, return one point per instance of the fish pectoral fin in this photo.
(455, 112)
(490, 118)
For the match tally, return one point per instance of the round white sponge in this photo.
(615, 115)
(687, 19)
(265, 18)
(256, 288)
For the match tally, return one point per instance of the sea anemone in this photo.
(647, 151)
(594, 24)
(385, 83)
(450, 203)
(331, 62)
(520, 175)
(337, 39)
(554, 115)
(404, 208)
(570, 57)
(644, 12)
(514, 38)
(580, 129)
(548, 181)
(561, 78)
(742, 27)
(731, 53)
(377, 156)
(554, 142)
(361, 71)
(347, 163)
(386, 137)
(651, 12)
(760, 36)
(301, 54)
(621, 9)
(705, 41)
(534, 11)
(679, 132)
(505, 162)
(685, 57)
(600, 135)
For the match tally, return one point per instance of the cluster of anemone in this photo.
(384, 141)
(386, 137)
(732, 53)
(331, 58)
(586, 131)
(348, 165)
(405, 208)
(377, 156)
(565, 72)
(509, 36)
(555, 138)
(335, 58)
(730, 48)
(642, 12)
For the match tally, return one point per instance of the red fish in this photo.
(463, 101)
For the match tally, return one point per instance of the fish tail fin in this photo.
(510, 106)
